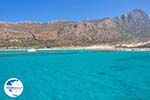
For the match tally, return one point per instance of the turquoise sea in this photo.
(77, 74)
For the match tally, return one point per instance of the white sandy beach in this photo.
(93, 47)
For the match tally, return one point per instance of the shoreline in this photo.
(94, 47)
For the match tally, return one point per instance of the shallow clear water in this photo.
(77, 75)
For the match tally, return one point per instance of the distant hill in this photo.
(132, 26)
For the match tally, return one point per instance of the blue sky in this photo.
(46, 10)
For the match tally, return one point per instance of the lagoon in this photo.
(77, 74)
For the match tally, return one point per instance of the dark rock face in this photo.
(132, 25)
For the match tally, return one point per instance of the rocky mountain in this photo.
(136, 22)
(134, 25)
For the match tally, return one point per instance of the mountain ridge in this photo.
(134, 25)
